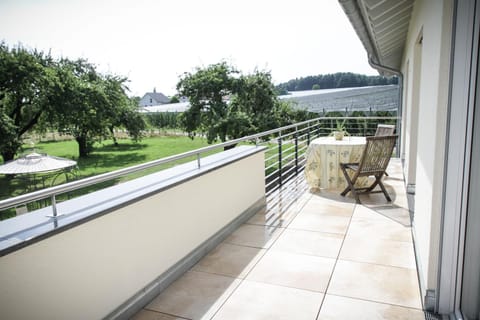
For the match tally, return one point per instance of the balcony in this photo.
(323, 257)
(217, 239)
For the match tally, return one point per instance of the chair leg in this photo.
(351, 184)
(347, 177)
(344, 192)
(377, 179)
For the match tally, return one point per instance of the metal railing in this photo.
(284, 159)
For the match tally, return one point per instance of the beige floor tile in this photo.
(398, 195)
(254, 236)
(372, 212)
(392, 212)
(273, 218)
(379, 198)
(368, 223)
(341, 308)
(195, 295)
(293, 270)
(329, 207)
(378, 251)
(392, 285)
(309, 242)
(320, 222)
(261, 301)
(230, 260)
(332, 195)
(326, 208)
(152, 315)
(287, 199)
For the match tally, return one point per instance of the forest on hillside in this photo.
(335, 80)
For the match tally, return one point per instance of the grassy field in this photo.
(105, 158)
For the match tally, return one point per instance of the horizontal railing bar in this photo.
(289, 148)
(287, 156)
(275, 156)
(290, 169)
(283, 196)
(271, 175)
(78, 184)
(276, 192)
(272, 166)
(303, 148)
(302, 136)
(273, 182)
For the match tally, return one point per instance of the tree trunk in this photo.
(83, 149)
(8, 155)
(115, 142)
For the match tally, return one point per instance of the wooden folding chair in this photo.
(385, 130)
(374, 161)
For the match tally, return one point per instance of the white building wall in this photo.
(147, 101)
(433, 19)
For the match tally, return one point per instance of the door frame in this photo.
(465, 41)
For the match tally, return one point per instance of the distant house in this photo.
(153, 99)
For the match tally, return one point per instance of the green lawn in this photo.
(105, 158)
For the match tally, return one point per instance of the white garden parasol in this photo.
(36, 163)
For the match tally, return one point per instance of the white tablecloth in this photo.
(324, 155)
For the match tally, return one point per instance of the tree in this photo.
(208, 90)
(38, 92)
(122, 110)
(336, 80)
(252, 106)
(93, 104)
(174, 99)
(256, 100)
(27, 80)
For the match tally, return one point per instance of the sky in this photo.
(154, 42)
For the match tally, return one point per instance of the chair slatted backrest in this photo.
(385, 130)
(377, 154)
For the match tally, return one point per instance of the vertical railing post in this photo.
(198, 160)
(296, 150)
(280, 158)
(308, 134)
(319, 132)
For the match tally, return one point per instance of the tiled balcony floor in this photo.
(324, 257)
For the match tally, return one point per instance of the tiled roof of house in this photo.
(158, 97)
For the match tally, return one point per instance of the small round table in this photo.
(323, 158)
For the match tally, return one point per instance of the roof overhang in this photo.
(382, 26)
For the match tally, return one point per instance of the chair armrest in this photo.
(343, 164)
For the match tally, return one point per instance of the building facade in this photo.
(433, 47)
(153, 99)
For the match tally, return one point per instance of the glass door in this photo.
(470, 288)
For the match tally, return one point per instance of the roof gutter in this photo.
(399, 74)
(383, 69)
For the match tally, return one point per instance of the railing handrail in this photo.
(85, 182)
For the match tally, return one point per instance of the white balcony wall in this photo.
(428, 77)
(89, 270)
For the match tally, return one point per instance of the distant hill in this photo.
(333, 81)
